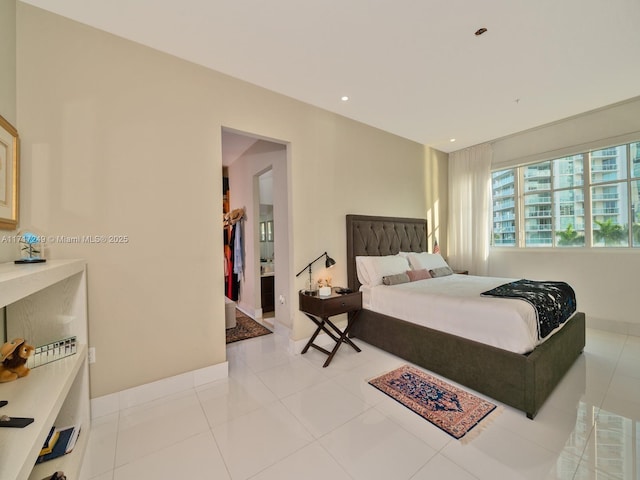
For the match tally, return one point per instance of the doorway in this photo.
(257, 176)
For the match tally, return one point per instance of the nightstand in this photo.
(319, 309)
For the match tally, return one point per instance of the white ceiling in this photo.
(234, 145)
(410, 67)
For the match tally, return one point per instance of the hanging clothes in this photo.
(238, 251)
(228, 264)
(232, 279)
(233, 252)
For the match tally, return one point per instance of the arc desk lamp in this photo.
(328, 263)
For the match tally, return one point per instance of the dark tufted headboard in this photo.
(369, 235)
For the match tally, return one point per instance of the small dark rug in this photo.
(449, 408)
(245, 328)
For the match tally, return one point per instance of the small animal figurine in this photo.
(14, 357)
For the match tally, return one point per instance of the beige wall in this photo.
(603, 127)
(605, 280)
(8, 251)
(8, 60)
(436, 181)
(121, 140)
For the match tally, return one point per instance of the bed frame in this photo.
(520, 381)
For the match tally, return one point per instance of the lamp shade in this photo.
(329, 262)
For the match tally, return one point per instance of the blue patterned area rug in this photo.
(449, 408)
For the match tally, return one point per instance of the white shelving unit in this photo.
(43, 303)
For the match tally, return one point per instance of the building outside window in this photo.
(554, 204)
(504, 226)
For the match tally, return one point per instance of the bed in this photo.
(521, 380)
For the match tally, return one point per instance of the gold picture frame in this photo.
(9, 180)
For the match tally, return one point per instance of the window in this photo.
(504, 216)
(554, 204)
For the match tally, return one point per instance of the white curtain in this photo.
(470, 209)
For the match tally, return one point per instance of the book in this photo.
(51, 440)
(74, 438)
(60, 441)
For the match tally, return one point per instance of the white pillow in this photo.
(424, 260)
(371, 269)
(361, 270)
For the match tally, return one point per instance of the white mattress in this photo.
(453, 304)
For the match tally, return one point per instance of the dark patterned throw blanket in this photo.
(554, 302)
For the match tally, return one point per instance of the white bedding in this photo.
(453, 304)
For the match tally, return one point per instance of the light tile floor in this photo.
(283, 416)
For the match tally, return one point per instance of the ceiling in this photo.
(234, 145)
(410, 67)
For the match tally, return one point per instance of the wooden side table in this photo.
(319, 309)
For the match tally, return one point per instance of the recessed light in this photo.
(480, 31)
(452, 140)
(344, 98)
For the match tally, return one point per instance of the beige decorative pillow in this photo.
(441, 272)
(396, 279)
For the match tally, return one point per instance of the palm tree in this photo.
(612, 234)
(570, 237)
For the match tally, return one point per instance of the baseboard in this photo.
(614, 326)
(148, 392)
(251, 313)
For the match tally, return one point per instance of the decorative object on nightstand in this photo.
(328, 263)
(324, 287)
(31, 248)
(319, 309)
